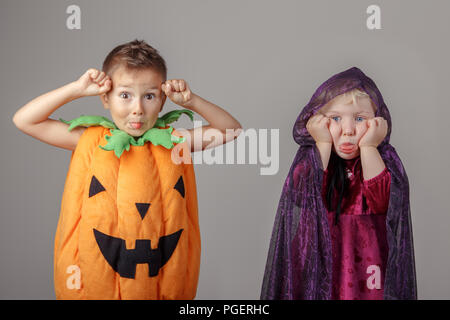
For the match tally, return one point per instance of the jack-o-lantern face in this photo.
(130, 224)
(124, 261)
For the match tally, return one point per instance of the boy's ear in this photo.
(105, 101)
(163, 101)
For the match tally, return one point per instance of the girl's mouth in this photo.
(347, 148)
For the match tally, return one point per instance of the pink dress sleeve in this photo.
(376, 191)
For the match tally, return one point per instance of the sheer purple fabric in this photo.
(299, 262)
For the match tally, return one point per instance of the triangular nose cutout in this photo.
(179, 186)
(142, 208)
(95, 187)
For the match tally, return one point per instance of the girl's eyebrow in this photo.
(337, 112)
(364, 112)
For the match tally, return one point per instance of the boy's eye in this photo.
(149, 96)
(359, 119)
(124, 95)
(336, 118)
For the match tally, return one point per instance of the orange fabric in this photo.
(142, 175)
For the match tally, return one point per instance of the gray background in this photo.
(260, 60)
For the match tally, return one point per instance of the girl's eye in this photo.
(124, 95)
(336, 118)
(150, 96)
(359, 119)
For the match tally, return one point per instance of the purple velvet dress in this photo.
(305, 259)
(358, 241)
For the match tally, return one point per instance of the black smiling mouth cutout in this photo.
(123, 260)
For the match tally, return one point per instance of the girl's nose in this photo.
(348, 127)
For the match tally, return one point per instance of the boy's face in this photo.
(135, 99)
(348, 123)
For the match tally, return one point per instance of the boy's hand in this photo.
(376, 131)
(178, 91)
(318, 128)
(93, 83)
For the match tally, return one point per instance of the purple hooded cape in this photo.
(299, 263)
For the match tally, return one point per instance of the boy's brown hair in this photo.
(135, 54)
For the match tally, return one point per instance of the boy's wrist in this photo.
(75, 91)
(192, 103)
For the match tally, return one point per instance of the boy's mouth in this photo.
(136, 125)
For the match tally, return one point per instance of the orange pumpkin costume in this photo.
(128, 226)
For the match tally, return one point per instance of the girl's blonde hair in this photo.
(358, 93)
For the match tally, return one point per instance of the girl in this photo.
(343, 226)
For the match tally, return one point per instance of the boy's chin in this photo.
(135, 132)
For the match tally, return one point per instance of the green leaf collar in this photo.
(120, 140)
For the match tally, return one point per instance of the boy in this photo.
(128, 226)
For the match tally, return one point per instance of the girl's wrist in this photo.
(324, 143)
(367, 147)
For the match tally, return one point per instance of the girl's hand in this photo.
(376, 131)
(318, 128)
(93, 83)
(178, 91)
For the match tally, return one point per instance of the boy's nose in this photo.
(138, 108)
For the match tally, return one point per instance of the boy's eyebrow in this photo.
(127, 86)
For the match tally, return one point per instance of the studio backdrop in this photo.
(259, 60)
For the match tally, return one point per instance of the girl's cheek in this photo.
(362, 129)
(363, 126)
(334, 130)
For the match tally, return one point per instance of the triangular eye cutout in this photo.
(142, 208)
(179, 186)
(95, 187)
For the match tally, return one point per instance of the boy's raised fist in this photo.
(93, 82)
(178, 91)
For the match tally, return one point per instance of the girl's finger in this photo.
(323, 120)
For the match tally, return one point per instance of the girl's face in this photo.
(348, 123)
